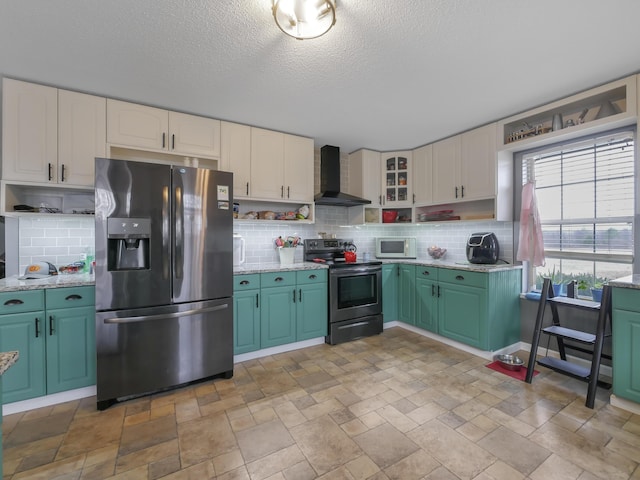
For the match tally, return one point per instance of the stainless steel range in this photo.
(355, 290)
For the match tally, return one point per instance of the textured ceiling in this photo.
(390, 75)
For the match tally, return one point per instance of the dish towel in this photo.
(531, 244)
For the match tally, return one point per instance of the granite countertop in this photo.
(630, 281)
(277, 267)
(6, 360)
(13, 284)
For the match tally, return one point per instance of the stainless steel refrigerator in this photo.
(164, 277)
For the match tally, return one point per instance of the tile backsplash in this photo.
(64, 240)
(57, 240)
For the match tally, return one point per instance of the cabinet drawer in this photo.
(430, 273)
(246, 282)
(71, 297)
(626, 299)
(277, 279)
(311, 276)
(22, 301)
(463, 277)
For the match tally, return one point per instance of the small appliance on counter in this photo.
(239, 250)
(483, 248)
(396, 247)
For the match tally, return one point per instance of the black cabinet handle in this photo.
(313, 276)
(294, 295)
(426, 272)
(433, 290)
(51, 325)
(247, 188)
(281, 191)
(14, 301)
(37, 327)
(397, 271)
(257, 301)
(300, 295)
(462, 189)
(438, 291)
(62, 173)
(50, 174)
(414, 198)
(74, 297)
(244, 282)
(459, 277)
(279, 279)
(163, 140)
(456, 192)
(288, 189)
(173, 141)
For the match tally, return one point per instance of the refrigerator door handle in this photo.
(144, 318)
(178, 254)
(166, 234)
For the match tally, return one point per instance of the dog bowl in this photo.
(510, 362)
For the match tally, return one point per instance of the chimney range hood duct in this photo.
(330, 181)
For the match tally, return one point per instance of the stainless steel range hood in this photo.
(330, 181)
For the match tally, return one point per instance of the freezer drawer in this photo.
(146, 350)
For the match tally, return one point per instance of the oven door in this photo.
(354, 292)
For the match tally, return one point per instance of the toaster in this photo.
(483, 248)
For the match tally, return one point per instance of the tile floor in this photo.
(396, 406)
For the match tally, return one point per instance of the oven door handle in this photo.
(342, 272)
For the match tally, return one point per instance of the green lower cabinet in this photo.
(277, 316)
(246, 313)
(461, 314)
(407, 293)
(626, 343)
(426, 298)
(390, 273)
(312, 308)
(56, 343)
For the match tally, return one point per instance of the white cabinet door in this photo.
(81, 136)
(194, 135)
(364, 176)
(235, 156)
(478, 163)
(138, 126)
(29, 132)
(422, 168)
(396, 179)
(298, 168)
(446, 160)
(267, 164)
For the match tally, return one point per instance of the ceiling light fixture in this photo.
(304, 19)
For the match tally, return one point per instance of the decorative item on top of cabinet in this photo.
(49, 135)
(595, 110)
(155, 129)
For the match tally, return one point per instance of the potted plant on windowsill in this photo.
(596, 292)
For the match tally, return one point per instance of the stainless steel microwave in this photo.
(395, 247)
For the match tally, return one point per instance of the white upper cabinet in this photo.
(464, 166)
(82, 126)
(364, 176)
(396, 179)
(29, 132)
(281, 166)
(422, 174)
(478, 163)
(446, 162)
(51, 135)
(149, 128)
(235, 156)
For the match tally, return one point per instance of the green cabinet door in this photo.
(246, 321)
(426, 314)
(27, 378)
(312, 311)
(390, 292)
(407, 294)
(462, 314)
(71, 348)
(277, 316)
(626, 343)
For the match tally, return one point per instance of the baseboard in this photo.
(623, 404)
(48, 400)
(265, 352)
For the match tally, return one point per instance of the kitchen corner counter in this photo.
(630, 281)
(470, 267)
(13, 284)
(6, 360)
(277, 267)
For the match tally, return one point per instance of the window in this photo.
(586, 199)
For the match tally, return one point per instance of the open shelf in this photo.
(248, 208)
(62, 200)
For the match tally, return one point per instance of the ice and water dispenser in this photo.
(128, 243)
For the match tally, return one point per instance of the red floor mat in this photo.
(497, 366)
